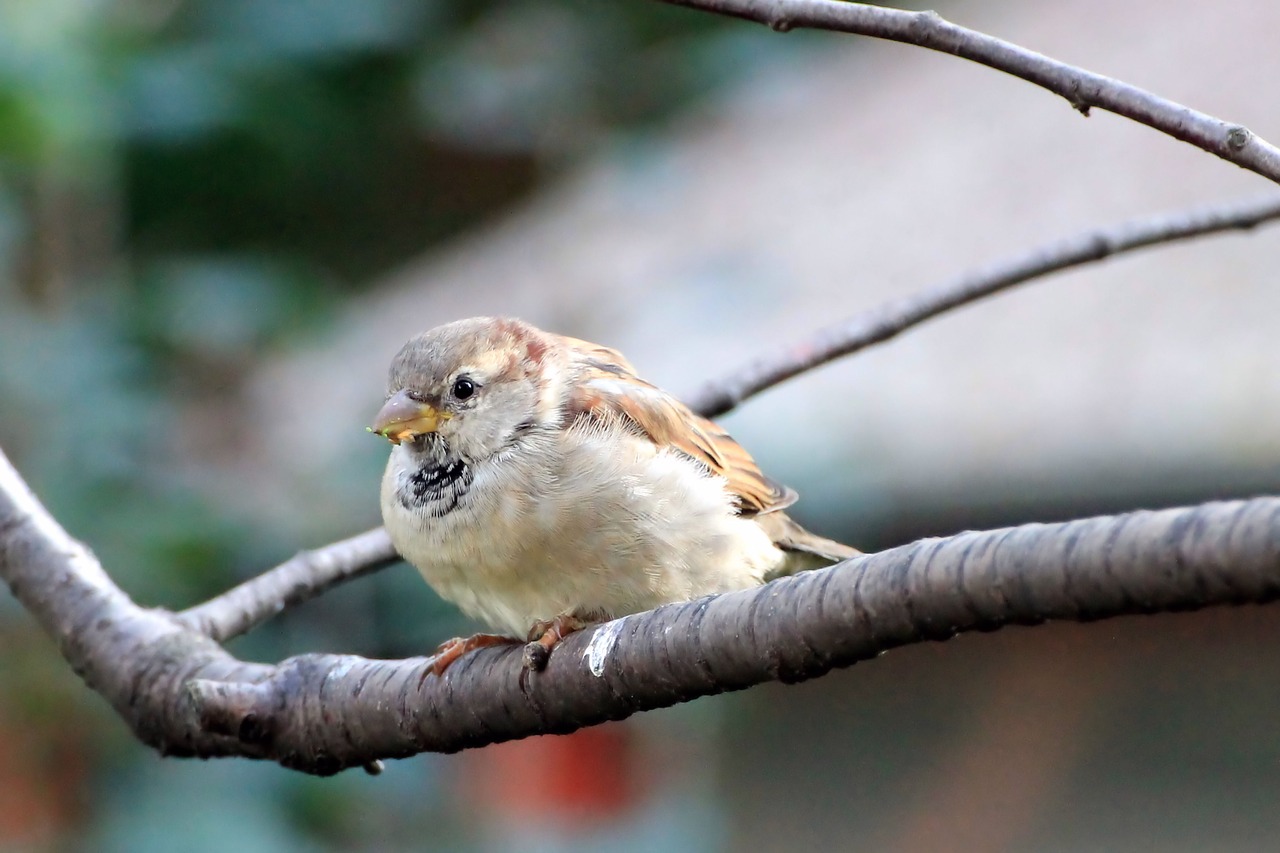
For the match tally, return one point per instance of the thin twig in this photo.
(311, 573)
(1082, 89)
(302, 578)
(895, 317)
(297, 580)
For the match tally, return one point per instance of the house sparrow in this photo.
(539, 484)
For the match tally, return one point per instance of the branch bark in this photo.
(1084, 90)
(309, 574)
(181, 692)
(893, 318)
(185, 695)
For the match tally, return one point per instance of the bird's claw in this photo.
(545, 636)
(450, 650)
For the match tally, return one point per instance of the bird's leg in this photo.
(450, 650)
(544, 636)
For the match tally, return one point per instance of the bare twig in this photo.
(1082, 89)
(308, 575)
(891, 319)
(294, 581)
(311, 573)
(184, 695)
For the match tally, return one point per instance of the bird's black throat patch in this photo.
(437, 487)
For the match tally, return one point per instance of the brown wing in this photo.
(608, 389)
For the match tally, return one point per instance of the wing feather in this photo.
(608, 389)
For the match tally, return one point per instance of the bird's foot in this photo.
(450, 650)
(543, 637)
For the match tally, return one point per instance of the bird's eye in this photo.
(463, 388)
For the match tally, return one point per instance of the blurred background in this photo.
(220, 218)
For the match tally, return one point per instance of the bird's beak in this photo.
(403, 418)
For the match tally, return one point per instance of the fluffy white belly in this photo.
(585, 530)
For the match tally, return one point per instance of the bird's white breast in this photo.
(591, 520)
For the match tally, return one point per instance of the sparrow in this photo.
(540, 485)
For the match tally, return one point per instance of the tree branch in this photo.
(311, 573)
(893, 318)
(139, 660)
(1084, 90)
(183, 694)
(302, 578)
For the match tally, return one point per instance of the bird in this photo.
(540, 485)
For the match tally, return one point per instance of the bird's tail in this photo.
(804, 550)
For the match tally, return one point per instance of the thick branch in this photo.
(893, 318)
(139, 660)
(1082, 89)
(321, 713)
(790, 630)
(182, 693)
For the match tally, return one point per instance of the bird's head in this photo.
(467, 389)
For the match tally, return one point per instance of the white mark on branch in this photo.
(342, 667)
(601, 646)
(1238, 137)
